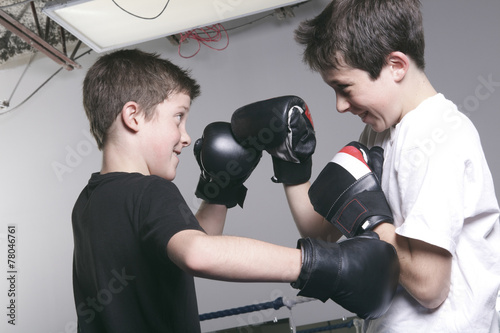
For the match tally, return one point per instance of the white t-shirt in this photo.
(440, 190)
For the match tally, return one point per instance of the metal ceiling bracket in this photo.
(35, 18)
(36, 41)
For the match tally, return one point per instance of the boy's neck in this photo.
(116, 159)
(418, 90)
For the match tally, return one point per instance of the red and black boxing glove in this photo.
(347, 192)
(283, 127)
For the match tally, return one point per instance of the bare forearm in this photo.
(212, 218)
(231, 258)
(425, 269)
(308, 222)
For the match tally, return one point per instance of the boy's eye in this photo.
(343, 89)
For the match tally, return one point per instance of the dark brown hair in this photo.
(362, 33)
(130, 75)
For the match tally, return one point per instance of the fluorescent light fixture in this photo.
(105, 25)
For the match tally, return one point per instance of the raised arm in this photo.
(283, 127)
(225, 165)
(212, 218)
(308, 222)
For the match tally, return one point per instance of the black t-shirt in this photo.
(123, 280)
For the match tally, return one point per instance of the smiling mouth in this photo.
(363, 115)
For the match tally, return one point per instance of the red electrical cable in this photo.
(206, 36)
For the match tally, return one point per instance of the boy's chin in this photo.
(379, 128)
(170, 177)
(167, 175)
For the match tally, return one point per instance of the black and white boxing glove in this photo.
(225, 165)
(283, 127)
(347, 192)
(360, 274)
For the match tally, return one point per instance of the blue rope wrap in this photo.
(276, 304)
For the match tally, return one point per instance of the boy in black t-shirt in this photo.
(137, 244)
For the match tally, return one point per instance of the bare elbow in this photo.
(436, 287)
(196, 266)
(432, 297)
(190, 254)
(428, 273)
(195, 262)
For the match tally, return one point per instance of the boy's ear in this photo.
(399, 63)
(131, 117)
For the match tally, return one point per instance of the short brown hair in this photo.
(362, 33)
(130, 75)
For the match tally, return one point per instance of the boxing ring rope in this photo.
(277, 304)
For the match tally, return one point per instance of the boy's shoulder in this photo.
(437, 113)
(130, 182)
(437, 125)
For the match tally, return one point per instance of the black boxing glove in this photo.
(283, 127)
(225, 165)
(348, 193)
(360, 274)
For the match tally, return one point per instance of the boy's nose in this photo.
(185, 139)
(342, 104)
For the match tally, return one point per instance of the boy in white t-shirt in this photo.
(435, 176)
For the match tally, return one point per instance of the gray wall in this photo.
(47, 154)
